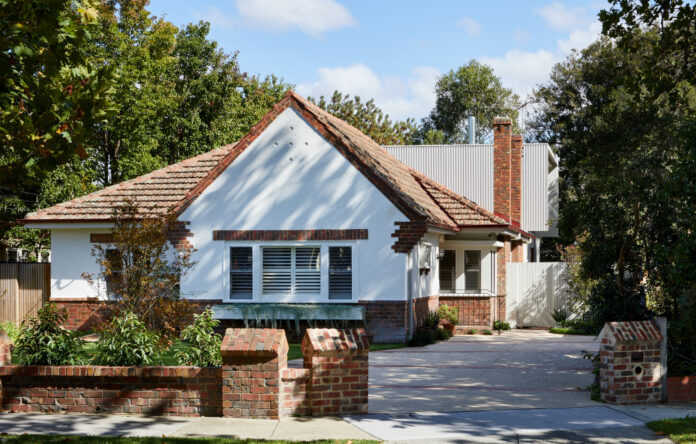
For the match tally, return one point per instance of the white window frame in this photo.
(257, 272)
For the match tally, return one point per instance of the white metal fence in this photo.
(534, 291)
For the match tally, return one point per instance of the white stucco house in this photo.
(306, 209)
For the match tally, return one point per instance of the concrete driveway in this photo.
(521, 369)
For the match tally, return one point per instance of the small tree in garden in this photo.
(203, 344)
(42, 341)
(142, 271)
(126, 341)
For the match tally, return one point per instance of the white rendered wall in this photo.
(72, 255)
(291, 178)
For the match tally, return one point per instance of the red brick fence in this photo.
(253, 381)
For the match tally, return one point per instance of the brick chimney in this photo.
(516, 179)
(502, 147)
(507, 171)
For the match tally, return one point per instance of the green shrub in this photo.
(560, 315)
(443, 335)
(449, 314)
(431, 320)
(501, 325)
(203, 344)
(11, 329)
(423, 336)
(487, 332)
(126, 341)
(42, 340)
(473, 331)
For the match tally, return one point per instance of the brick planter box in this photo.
(681, 389)
(253, 382)
(181, 391)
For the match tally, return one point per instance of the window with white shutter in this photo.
(340, 273)
(291, 270)
(472, 270)
(241, 273)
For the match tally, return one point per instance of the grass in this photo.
(295, 351)
(569, 331)
(32, 439)
(681, 431)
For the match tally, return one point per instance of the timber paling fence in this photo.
(24, 288)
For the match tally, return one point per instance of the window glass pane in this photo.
(340, 273)
(448, 271)
(472, 270)
(241, 275)
(307, 270)
(277, 270)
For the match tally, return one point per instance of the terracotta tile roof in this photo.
(461, 210)
(156, 193)
(173, 188)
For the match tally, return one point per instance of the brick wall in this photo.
(422, 306)
(82, 313)
(407, 235)
(181, 391)
(681, 389)
(290, 235)
(338, 360)
(473, 311)
(630, 369)
(503, 256)
(386, 320)
(294, 392)
(178, 235)
(252, 362)
(253, 382)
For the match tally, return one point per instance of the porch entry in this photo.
(467, 271)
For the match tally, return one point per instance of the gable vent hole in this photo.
(292, 128)
(638, 370)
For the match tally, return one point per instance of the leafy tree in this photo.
(142, 273)
(179, 94)
(368, 118)
(51, 93)
(470, 90)
(202, 343)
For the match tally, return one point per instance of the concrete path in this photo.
(596, 424)
(302, 429)
(520, 369)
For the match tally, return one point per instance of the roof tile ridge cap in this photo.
(354, 147)
(111, 189)
(419, 181)
(463, 200)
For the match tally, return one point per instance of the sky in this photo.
(392, 50)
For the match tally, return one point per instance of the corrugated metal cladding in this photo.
(468, 170)
(464, 169)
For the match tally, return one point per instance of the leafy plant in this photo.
(203, 343)
(472, 331)
(501, 325)
(443, 335)
(487, 332)
(560, 315)
(11, 329)
(449, 314)
(431, 320)
(42, 340)
(126, 341)
(423, 336)
(595, 394)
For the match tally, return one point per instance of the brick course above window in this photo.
(289, 235)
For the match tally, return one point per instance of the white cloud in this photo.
(215, 16)
(400, 98)
(580, 38)
(471, 26)
(313, 17)
(562, 18)
(521, 71)
(521, 36)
